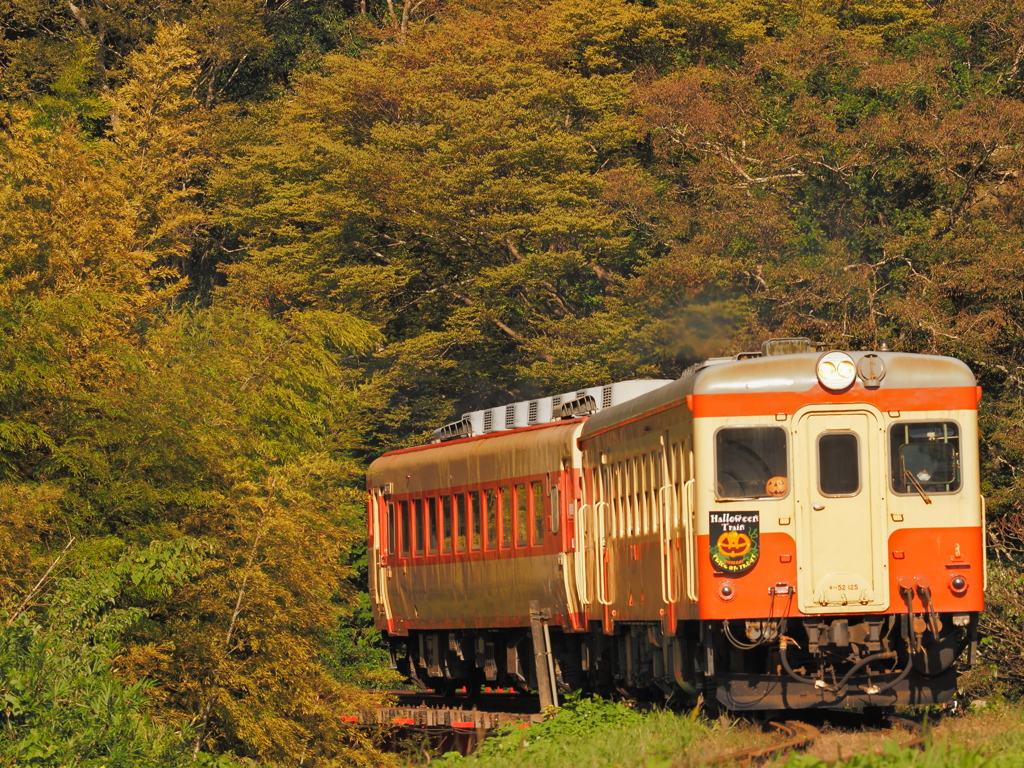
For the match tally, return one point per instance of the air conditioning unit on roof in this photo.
(543, 410)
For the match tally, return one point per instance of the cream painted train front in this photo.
(790, 528)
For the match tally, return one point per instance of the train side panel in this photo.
(639, 515)
(495, 532)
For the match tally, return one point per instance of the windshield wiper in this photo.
(917, 486)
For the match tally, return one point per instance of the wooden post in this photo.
(541, 658)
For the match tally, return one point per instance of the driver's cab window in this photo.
(751, 462)
(924, 456)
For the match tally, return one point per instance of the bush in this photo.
(63, 704)
(590, 732)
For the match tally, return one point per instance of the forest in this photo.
(248, 245)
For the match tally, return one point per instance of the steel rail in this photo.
(797, 735)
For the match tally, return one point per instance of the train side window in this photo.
(432, 525)
(657, 481)
(650, 492)
(417, 507)
(403, 511)
(632, 497)
(556, 509)
(538, 513)
(647, 488)
(838, 464)
(615, 499)
(632, 508)
(621, 505)
(446, 523)
(491, 515)
(475, 526)
(638, 491)
(460, 522)
(622, 493)
(678, 480)
(746, 458)
(924, 456)
(522, 521)
(611, 491)
(391, 528)
(506, 517)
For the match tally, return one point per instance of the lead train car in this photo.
(784, 529)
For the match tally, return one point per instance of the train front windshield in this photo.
(924, 456)
(748, 459)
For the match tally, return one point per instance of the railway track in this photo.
(485, 701)
(460, 721)
(453, 722)
(918, 741)
(796, 735)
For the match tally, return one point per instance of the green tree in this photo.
(449, 188)
(63, 704)
(249, 423)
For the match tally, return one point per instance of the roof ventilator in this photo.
(453, 431)
(544, 410)
(577, 407)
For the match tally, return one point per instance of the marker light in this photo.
(726, 591)
(836, 371)
(958, 585)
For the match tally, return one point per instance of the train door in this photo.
(668, 527)
(384, 541)
(605, 517)
(841, 531)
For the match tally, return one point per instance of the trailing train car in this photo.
(788, 528)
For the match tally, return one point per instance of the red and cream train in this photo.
(787, 528)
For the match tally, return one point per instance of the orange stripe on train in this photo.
(768, 403)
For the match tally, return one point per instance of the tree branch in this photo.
(39, 584)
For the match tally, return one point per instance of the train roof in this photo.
(782, 365)
(512, 453)
(753, 373)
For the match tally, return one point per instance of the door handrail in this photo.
(689, 535)
(668, 582)
(602, 552)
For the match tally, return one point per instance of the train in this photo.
(793, 527)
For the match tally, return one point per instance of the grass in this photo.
(588, 732)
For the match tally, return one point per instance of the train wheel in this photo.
(442, 686)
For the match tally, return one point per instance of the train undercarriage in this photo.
(879, 660)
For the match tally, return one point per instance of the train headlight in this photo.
(836, 371)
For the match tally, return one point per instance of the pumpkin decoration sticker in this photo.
(735, 541)
(777, 487)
